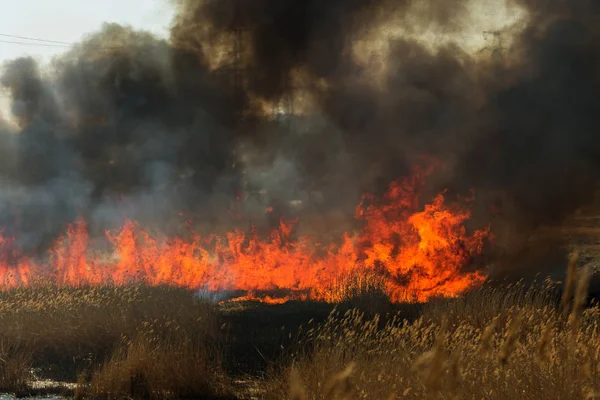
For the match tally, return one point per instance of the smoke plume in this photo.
(127, 122)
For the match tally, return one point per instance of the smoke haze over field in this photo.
(127, 122)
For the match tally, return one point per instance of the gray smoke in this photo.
(130, 124)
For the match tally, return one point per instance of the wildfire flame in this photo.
(411, 254)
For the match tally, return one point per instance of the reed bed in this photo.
(511, 342)
(114, 341)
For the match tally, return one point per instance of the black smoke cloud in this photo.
(124, 124)
(129, 121)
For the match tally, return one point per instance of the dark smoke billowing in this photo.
(129, 123)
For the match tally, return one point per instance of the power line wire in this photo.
(36, 39)
(63, 46)
(54, 43)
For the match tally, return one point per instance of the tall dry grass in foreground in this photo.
(493, 343)
(115, 338)
(149, 367)
(140, 342)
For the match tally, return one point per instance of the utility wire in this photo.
(35, 44)
(51, 43)
(36, 39)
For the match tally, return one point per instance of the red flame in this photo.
(413, 254)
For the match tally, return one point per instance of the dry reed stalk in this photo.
(431, 364)
(579, 301)
(296, 390)
(544, 344)
(454, 376)
(510, 341)
(339, 386)
(487, 336)
(570, 283)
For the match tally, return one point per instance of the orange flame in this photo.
(414, 255)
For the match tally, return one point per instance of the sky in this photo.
(69, 20)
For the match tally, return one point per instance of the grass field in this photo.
(159, 342)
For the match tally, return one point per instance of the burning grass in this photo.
(416, 250)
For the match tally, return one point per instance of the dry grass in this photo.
(149, 367)
(494, 343)
(74, 318)
(15, 367)
(366, 293)
(109, 335)
(140, 342)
